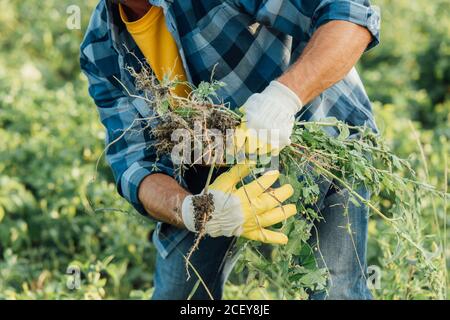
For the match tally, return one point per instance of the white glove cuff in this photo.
(280, 92)
(187, 213)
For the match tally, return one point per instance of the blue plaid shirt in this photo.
(251, 41)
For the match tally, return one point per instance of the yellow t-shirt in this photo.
(158, 46)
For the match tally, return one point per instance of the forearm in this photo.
(162, 197)
(330, 54)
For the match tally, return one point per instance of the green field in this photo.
(51, 139)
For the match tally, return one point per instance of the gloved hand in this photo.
(272, 109)
(247, 210)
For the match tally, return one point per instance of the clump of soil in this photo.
(205, 117)
(221, 120)
(162, 133)
(203, 209)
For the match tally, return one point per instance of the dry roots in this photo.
(208, 117)
(196, 111)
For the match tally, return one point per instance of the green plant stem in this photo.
(378, 212)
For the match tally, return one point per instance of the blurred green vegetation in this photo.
(51, 138)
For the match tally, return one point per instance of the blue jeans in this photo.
(340, 244)
(339, 249)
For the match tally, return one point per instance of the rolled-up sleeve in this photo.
(356, 11)
(129, 145)
(301, 18)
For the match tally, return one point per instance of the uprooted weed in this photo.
(196, 114)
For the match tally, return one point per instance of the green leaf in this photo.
(294, 245)
(344, 132)
(306, 257)
(312, 278)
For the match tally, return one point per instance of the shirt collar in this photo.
(121, 40)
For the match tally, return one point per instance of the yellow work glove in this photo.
(253, 141)
(269, 116)
(245, 211)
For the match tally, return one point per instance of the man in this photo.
(279, 60)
